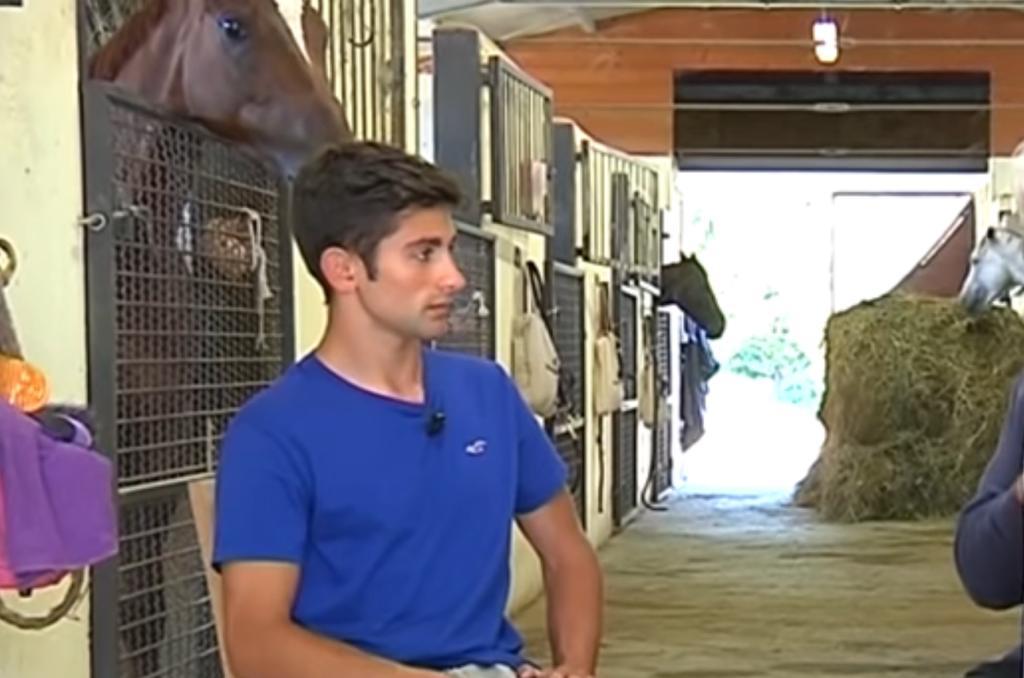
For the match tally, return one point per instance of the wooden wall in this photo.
(618, 82)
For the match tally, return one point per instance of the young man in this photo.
(989, 544)
(365, 500)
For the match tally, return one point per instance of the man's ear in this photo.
(340, 268)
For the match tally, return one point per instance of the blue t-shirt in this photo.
(403, 537)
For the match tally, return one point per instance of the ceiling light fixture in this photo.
(825, 34)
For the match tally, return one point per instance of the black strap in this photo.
(536, 287)
(9, 345)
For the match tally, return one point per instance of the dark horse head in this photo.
(686, 285)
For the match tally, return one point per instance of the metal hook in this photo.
(478, 298)
(7, 271)
(477, 301)
(95, 222)
(366, 42)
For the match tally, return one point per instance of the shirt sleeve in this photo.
(260, 483)
(541, 471)
(989, 542)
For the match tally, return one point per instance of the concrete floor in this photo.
(735, 587)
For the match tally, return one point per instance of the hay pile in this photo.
(915, 393)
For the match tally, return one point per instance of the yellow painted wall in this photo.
(41, 198)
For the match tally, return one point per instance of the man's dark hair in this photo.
(350, 196)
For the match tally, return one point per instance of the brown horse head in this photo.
(685, 284)
(232, 65)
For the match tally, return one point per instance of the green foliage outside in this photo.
(763, 339)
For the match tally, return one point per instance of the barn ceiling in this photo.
(509, 19)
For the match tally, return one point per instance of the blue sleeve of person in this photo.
(262, 498)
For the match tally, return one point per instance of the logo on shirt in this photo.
(477, 447)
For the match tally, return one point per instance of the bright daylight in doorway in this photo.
(784, 250)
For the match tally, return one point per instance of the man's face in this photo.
(416, 276)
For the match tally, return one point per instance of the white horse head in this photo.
(997, 268)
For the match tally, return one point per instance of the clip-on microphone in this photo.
(435, 422)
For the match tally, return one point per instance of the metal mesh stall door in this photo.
(663, 430)
(472, 329)
(624, 492)
(628, 339)
(521, 148)
(189, 314)
(568, 324)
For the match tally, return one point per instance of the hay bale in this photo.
(915, 394)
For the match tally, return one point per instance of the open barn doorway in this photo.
(805, 193)
(799, 247)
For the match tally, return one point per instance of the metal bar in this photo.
(144, 277)
(585, 160)
(515, 144)
(168, 484)
(332, 43)
(156, 305)
(235, 360)
(398, 75)
(339, 38)
(165, 583)
(457, 82)
(750, 159)
(615, 311)
(585, 430)
(182, 443)
(363, 84)
(167, 640)
(142, 621)
(187, 333)
(98, 164)
(499, 146)
(547, 104)
(172, 668)
(492, 300)
(286, 288)
(190, 387)
(845, 42)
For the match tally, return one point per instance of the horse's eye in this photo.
(233, 28)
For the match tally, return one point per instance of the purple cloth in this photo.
(59, 500)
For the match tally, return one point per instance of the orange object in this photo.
(23, 384)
